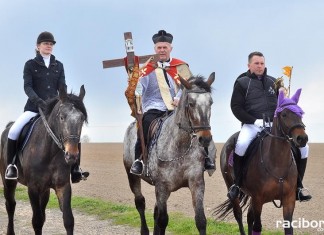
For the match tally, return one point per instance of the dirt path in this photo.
(108, 181)
(84, 224)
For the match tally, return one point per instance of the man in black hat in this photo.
(159, 88)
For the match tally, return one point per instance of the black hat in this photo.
(162, 36)
(45, 37)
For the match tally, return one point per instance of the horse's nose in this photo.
(71, 152)
(302, 140)
(71, 158)
(205, 140)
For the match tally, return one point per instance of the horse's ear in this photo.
(296, 96)
(211, 78)
(62, 93)
(185, 83)
(82, 92)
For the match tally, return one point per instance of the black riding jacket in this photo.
(252, 98)
(40, 82)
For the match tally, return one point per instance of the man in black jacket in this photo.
(254, 97)
(43, 76)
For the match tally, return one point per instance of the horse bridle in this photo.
(191, 128)
(286, 137)
(61, 140)
(282, 126)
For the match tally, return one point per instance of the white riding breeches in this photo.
(249, 132)
(304, 151)
(18, 125)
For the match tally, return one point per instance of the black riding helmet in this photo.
(45, 37)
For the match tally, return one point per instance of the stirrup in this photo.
(300, 192)
(84, 175)
(11, 178)
(135, 173)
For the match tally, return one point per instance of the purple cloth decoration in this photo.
(289, 103)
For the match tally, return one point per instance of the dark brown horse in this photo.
(46, 160)
(271, 172)
(176, 159)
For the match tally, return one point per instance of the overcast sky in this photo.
(210, 35)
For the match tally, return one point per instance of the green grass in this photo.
(128, 215)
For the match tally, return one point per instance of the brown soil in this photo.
(108, 181)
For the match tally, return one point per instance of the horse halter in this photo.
(192, 128)
(282, 126)
(62, 139)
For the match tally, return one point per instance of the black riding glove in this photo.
(41, 104)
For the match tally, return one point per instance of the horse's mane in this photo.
(199, 81)
(71, 98)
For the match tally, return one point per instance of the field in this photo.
(108, 181)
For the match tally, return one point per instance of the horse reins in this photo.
(280, 179)
(59, 141)
(285, 137)
(191, 129)
(290, 129)
(49, 130)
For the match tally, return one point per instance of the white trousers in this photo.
(248, 133)
(17, 127)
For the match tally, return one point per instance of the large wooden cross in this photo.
(129, 63)
(130, 56)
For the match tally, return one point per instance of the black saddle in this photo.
(155, 130)
(26, 132)
(252, 148)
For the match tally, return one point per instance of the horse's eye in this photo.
(61, 118)
(283, 115)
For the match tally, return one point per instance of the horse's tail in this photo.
(224, 209)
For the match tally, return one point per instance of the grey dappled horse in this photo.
(45, 163)
(176, 160)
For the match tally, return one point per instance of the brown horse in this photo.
(270, 172)
(176, 159)
(45, 161)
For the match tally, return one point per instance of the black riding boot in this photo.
(11, 171)
(137, 166)
(234, 190)
(209, 165)
(76, 173)
(301, 193)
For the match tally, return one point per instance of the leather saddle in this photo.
(26, 132)
(155, 130)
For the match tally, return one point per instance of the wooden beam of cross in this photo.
(131, 63)
(129, 60)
